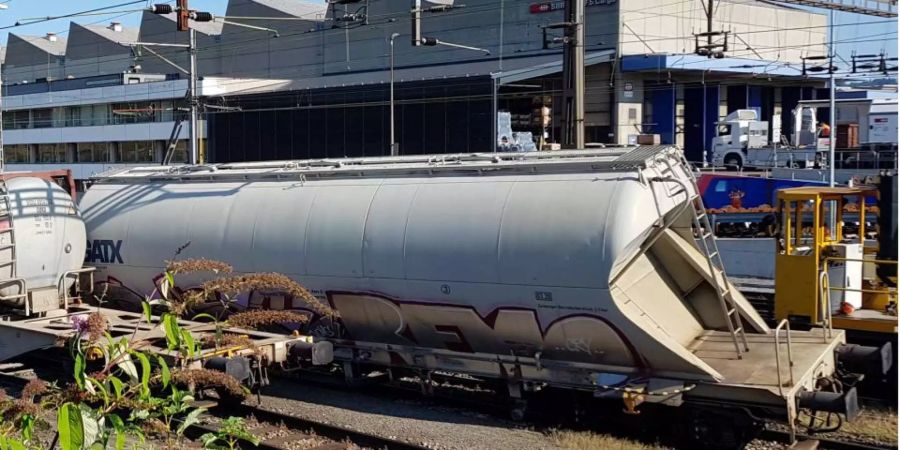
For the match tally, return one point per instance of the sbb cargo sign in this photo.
(543, 7)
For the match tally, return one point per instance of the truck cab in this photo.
(739, 132)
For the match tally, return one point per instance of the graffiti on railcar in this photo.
(504, 330)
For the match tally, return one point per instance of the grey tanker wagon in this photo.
(42, 249)
(42, 239)
(575, 269)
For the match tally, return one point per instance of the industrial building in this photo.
(288, 79)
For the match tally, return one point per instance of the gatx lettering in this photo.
(104, 251)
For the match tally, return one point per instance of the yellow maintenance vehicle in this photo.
(831, 272)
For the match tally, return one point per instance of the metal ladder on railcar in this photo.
(710, 248)
(10, 230)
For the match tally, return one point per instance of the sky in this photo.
(872, 33)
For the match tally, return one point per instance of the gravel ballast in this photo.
(418, 422)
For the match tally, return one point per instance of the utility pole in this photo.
(573, 75)
(831, 105)
(2, 153)
(395, 148)
(416, 38)
(192, 98)
(184, 15)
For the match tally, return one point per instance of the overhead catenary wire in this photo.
(75, 14)
(232, 45)
(655, 13)
(249, 41)
(782, 47)
(37, 20)
(226, 83)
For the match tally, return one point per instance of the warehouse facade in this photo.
(329, 72)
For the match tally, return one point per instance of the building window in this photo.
(134, 112)
(16, 120)
(164, 110)
(17, 153)
(97, 115)
(87, 115)
(42, 118)
(52, 153)
(92, 152)
(135, 151)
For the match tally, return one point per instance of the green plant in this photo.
(233, 430)
(131, 392)
(120, 390)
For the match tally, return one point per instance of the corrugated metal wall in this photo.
(431, 117)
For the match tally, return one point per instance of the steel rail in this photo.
(334, 432)
(783, 436)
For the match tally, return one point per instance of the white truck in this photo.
(744, 142)
(882, 127)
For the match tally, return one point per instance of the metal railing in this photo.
(23, 291)
(825, 305)
(76, 275)
(787, 326)
(888, 291)
(866, 159)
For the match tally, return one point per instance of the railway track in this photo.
(823, 442)
(276, 431)
(490, 405)
(279, 431)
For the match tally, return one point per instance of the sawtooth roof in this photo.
(128, 34)
(57, 47)
(296, 8)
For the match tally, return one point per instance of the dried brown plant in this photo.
(154, 427)
(236, 284)
(194, 265)
(227, 340)
(34, 388)
(256, 318)
(21, 407)
(73, 393)
(96, 325)
(207, 378)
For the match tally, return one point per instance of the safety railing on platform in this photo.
(76, 275)
(787, 326)
(887, 262)
(825, 305)
(23, 290)
(866, 159)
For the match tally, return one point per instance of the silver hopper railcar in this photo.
(572, 269)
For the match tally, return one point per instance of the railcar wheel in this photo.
(226, 398)
(720, 428)
(517, 413)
